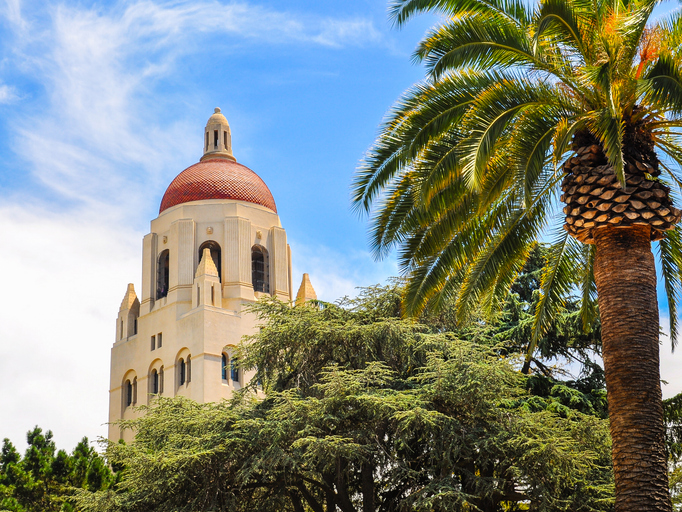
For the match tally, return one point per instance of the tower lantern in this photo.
(217, 137)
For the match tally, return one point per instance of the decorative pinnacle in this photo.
(206, 266)
(129, 298)
(306, 292)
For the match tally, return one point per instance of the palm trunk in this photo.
(626, 285)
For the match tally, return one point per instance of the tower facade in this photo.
(216, 246)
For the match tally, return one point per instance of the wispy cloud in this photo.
(11, 10)
(250, 21)
(100, 70)
(334, 274)
(341, 32)
(7, 94)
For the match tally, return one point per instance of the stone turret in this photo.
(206, 283)
(126, 323)
(217, 138)
(306, 292)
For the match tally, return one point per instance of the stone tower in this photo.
(216, 246)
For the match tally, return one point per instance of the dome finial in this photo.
(217, 138)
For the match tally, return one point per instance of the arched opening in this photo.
(154, 381)
(182, 372)
(128, 390)
(224, 361)
(128, 393)
(260, 272)
(215, 254)
(234, 369)
(163, 275)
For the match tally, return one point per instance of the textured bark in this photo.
(315, 505)
(330, 496)
(343, 500)
(368, 487)
(296, 501)
(626, 285)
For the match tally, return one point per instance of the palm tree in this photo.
(520, 104)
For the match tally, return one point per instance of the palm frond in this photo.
(670, 253)
(558, 277)
(400, 11)
(607, 126)
(488, 118)
(529, 146)
(475, 41)
(423, 115)
(465, 170)
(665, 84)
(588, 286)
(507, 250)
(560, 20)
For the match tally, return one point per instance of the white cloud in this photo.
(64, 277)
(671, 362)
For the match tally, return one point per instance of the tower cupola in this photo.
(217, 138)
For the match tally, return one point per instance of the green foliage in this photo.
(43, 481)
(676, 487)
(672, 408)
(363, 411)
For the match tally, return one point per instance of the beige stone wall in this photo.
(190, 325)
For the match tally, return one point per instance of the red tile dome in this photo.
(217, 178)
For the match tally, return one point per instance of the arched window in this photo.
(189, 369)
(155, 382)
(182, 372)
(234, 369)
(134, 390)
(163, 275)
(223, 366)
(259, 269)
(128, 390)
(161, 380)
(215, 254)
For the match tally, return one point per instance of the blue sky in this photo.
(102, 104)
